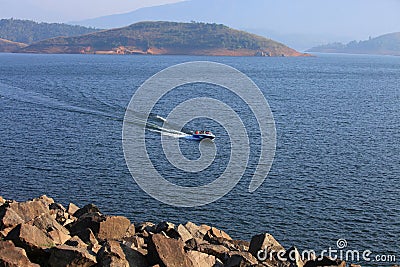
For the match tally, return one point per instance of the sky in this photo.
(71, 10)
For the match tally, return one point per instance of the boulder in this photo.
(86, 221)
(239, 259)
(45, 222)
(9, 218)
(134, 242)
(12, 256)
(184, 234)
(65, 255)
(200, 259)
(13, 213)
(265, 243)
(59, 213)
(197, 231)
(167, 252)
(113, 253)
(238, 245)
(131, 231)
(72, 208)
(164, 227)
(113, 228)
(146, 227)
(218, 251)
(215, 233)
(32, 239)
(45, 200)
(89, 208)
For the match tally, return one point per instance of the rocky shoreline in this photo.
(41, 232)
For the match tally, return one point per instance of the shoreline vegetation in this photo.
(41, 232)
(151, 38)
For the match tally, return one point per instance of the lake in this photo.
(336, 172)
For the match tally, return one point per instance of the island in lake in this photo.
(388, 44)
(161, 38)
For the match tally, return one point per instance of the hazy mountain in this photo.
(170, 38)
(388, 44)
(300, 24)
(27, 31)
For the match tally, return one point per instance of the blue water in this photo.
(336, 172)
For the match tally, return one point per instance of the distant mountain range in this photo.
(299, 24)
(27, 31)
(388, 44)
(166, 38)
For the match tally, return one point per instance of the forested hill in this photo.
(166, 38)
(27, 31)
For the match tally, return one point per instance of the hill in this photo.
(388, 44)
(299, 24)
(171, 38)
(27, 31)
(9, 46)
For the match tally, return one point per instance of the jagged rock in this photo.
(116, 254)
(200, 259)
(193, 244)
(164, 227)
(12, 256)
(46, 201)
(136, 242)
(54, 230)
(89, 208)
(65, 255)
(146, 227)
(72, 208)
(13, 213)
(266, 243)
(239, 259)
(131, 231)
(2, 200)
(215, 233)
(59, 213)
(184, 234)
(218, 251)
(9, 218)
(32, 239)
(167, 252)
(86, 221)
(113, 228)
(238, 245)
(197, 231)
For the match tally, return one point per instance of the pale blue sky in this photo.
(63, 11)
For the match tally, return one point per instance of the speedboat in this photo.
(200, 135)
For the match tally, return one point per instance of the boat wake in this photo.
(153, 122)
